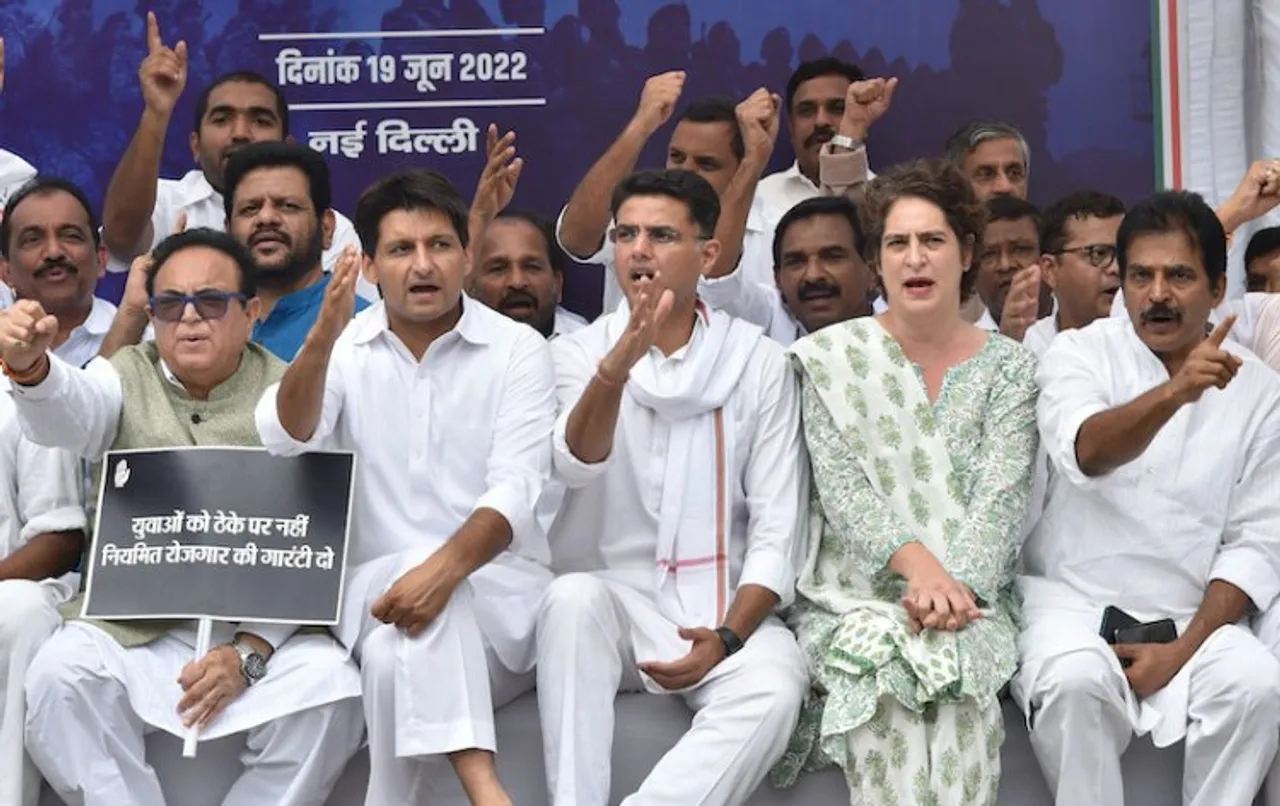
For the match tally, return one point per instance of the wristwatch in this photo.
(732, 643)
(252, 665)
(845, 141)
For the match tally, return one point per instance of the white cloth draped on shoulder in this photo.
(692, 565)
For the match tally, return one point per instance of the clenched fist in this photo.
(658, 100)
(26, 333)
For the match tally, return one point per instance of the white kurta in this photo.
(756, 262)
(40, 491)
(567, 322)
(1037, 339)
(1040, 334)
(14, 173)
(83, 344)
(204, 207)
(467, 427)
(1201, 503)
(597, 623)
(757, 302)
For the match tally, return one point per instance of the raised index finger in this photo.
(154, 43)
(1220, 332)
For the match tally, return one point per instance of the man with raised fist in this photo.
(235, 110)
(96, 687)
(710, 140)
(50, 254)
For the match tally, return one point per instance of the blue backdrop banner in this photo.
(380, 85)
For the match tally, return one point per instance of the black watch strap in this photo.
(732, 643)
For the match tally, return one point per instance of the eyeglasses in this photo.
(1099, 255)
(208, 305)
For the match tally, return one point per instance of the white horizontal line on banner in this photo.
(434, 34)
(478, 102)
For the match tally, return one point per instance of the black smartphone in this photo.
(1114, 619)
(1163, 631)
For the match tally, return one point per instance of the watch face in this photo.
(255, 668)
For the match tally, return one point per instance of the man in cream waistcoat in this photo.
(95, 688)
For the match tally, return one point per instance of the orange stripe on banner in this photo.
(1175, 102)
(721, 506)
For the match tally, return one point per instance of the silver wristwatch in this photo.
(845, 141)
(252, 665)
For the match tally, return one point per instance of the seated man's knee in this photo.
(64, 663)
(1244, 673)
(780, 678)
(1086, 675)
(379, 649)
(25, 610)
(573, 596)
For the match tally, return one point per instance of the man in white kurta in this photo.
(453, 438)
(95, 689)
(682, 527)
(42, 522)
(1184, 526)
(237, 108)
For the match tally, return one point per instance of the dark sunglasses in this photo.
(208, 305)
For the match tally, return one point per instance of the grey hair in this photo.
(972, 135)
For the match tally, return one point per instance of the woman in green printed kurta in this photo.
(921, 432)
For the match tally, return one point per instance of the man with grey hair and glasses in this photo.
(994, 156)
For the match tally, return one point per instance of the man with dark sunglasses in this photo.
(196, 384)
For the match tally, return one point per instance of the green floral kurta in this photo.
(986, 414)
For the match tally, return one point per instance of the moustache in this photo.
(1160, 313)
(274, 234)
(819, 135)
(817, 289)
(58, 263)
(517, 297)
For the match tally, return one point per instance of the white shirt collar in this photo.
(100, 318)
(471, 326)
(794, 174)
(194, 188)
(169, 376)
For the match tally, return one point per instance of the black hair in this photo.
(209, 239)
(39, 186)
(246, 77)
(683, 186)
(1174, 211)
(840, 206)
(555, 255)
(1074, 206)
(717, 110)
(1263, 242)
(938, 182)
(252, 157)
(1011, 208)
(826, 66)
(414, 189)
